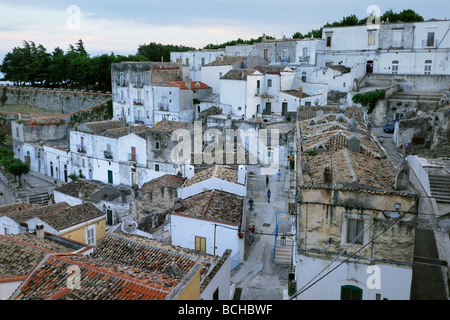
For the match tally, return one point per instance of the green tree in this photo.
(18, 168)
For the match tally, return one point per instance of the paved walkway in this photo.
(258, 278)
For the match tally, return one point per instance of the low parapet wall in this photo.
(59, 100)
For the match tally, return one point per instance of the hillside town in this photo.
(286, 169)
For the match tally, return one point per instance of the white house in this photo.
(196, 59)
(211, 222)
(116, 155)
(269, 90)
(390, 48)
(174, 100)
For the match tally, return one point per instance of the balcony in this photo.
(108, 154)
(138, 102)
(262, 93)
(139, 119)
(303, 59)
(163, 107)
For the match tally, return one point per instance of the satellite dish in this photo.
(197, 85)
(316, 102)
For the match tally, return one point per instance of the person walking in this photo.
(251, 234)
(267, 180)
(279, 175)
(268, 195)
(250, 202)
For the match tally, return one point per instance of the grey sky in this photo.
(121, 26)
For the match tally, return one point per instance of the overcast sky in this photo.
(121, 26)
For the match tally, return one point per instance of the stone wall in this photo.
(58, 100)
(410, 82)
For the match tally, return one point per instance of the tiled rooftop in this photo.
(219, 172)
(78, 187)
(59, 215)
(195, 85)
(213, 205)
(24, 215)
(272, 69)
(168, 126)
(166, 180)
(5, 209)
(99, 280)
(226, 61)
(70, 216)
(366, 169)
(20, 253)
(98, 127)
(237, 74)
(349, 166)
(123, 131)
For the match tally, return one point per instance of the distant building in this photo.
(195, 60)
(133, 88)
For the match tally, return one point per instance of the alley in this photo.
(258, 278)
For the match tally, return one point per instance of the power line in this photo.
(345, 260)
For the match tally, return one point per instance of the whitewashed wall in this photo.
(395, 281)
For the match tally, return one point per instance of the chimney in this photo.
(354, 142)
(40, 231)
(369, 130)
(300, 92)
(242, 174)
(327, 175)
(188, 83)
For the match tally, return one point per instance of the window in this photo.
(430, 39)
(328, 41)
(395, 67)
(269, 82)
(156, 167)
(397, 38)
(200, 244)
(17, 131)
(427, 67)
(304, 76)
(157, 145)
(90, 235)
(351, 293)
(371, 39)
(354, 228)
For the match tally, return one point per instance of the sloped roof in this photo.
(213, 205)
(20, 253)
(219, 172)
(5, 209)
(226, 61)
(167, 180)
(99, 280)
(195, 85)
(238, 74)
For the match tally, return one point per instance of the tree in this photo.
(3, 97)
(18, 168)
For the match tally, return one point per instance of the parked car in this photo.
(390, 126)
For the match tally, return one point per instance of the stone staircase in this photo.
(283, 250)
(440, 187)
(416, 98)
(39, 198)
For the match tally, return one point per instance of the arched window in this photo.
(351, 293)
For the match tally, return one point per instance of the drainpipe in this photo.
(153, 97)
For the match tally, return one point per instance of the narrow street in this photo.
(258, 277)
